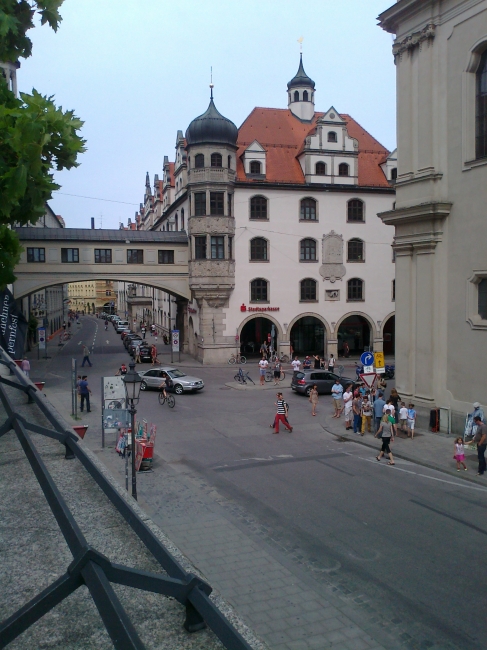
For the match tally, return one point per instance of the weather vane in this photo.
(211, 81)
(300, 41)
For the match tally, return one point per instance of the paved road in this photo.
(316, 543)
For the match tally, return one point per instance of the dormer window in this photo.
(305, 96)
(255, 167)
(343, 169)
(216, 160)
(332, 136)
(393, 173)
(199, 161)
(296, 96)
(320, 169)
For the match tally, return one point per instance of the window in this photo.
(258, 290)
(320, 169)
(332, 136)
(355, 210)
(200, 247)
(307, 250)
(481, 113)
(355, 289)
(199, 161)
(308, 290)
(108, 293)
(305, 96)
(36, 254)
(165, 257)
(308, 210)
(200, 204)
(255, 167)
(216, 160)
(182, 218)
(103, 255)
(482, 292)
(343, 169)
(393, 290)
(216, 203)
(393, 173)
(296, 96)
(258, 207)
(229, 162)
(218, 247)
(229, 204)
(258, 249)
(135, 256)
(355, 250)
(230, 248)
(69, 254)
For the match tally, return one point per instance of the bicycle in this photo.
(242, 377)
(237, 358)
(269, 375)
(283, 358)
(171, 402)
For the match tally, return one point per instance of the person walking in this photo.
(367, 413)
(84, 391)
(296, 364)
(348, 407)
(379, 404)
(337, 393)
(153, 354)
(307, 363)
(263, 365)
(357, 411)
(395, 399)
(459, 453)
(317, 361)
(331, 363)
(25, 366)
(86, 356)
(143, 331)
(277, 372)
(403, 417)
(137, 353)
(281, 415)
(386, 431)
(411, 420)
(481, 442)
(313, 398)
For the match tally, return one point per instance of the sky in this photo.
(136, 71)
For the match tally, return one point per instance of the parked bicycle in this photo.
(167, 399)
(283, 358)
(269, 375)
(237, 358)
(242, 377)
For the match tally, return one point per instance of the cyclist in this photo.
(166, 383)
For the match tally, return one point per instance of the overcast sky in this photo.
(136, 71)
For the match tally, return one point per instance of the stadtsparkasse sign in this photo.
(244, 307)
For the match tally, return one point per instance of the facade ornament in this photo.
(411, 41)
(332, 268)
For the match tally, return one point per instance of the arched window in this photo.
(320, 169)
(258, 249)
(216, 160)
(229, 162)
(355, 250)
(343, 169)
(296, 96)
(199, 160)
(258, 207)
(259, 290)
(307, 250)
(308, 290)
(308, 210)
(355, 210)
(182, 218)
(332, 136)
(305, 96)
(255, 167)
(481, 117)
(355, 289)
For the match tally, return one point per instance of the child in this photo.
(459, 454)
(403, 417)
(411, 420)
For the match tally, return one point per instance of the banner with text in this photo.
(13, 326)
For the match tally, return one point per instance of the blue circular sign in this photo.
(367, 359)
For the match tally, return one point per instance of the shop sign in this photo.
(191, 310)
(243, 307)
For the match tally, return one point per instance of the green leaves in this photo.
(10, 250)
(16, 18)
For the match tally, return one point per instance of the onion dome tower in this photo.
(301, 94)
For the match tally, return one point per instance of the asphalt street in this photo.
(395, 552)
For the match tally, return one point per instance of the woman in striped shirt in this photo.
(281, 415)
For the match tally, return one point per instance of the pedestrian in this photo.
(143, 331)
(307, 363)
(347, 406)
(459, 453)
(403, 417)
(381, 383)
(296, 364)
(152, 329)
(346, 350)
(317, 361)
(395, 399)
(411, 420)
(386, 432)
(378, 410)
(481, 442)
(137, 353)
(263, 349)
(367, 413)
(84, 391)
(281, 415)
(277, 372)
(313, 398)
(86, 356)
(357, 411)
(25, 366)
(263, 365)
(470, 428)
(337, 393)
(331, 363)
(64, 325)
(389, 405)
(69, 324)
(153, 354)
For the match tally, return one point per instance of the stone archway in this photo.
(308, 334)
(357, 331)
(389, 335)
(254, 330)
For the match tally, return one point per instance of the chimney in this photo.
(93, 223)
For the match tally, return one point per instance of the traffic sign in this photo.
(367, 359)
(175, 340)
(380, 371)
(42, 338)
(379, 359)
(369, 379)
(368, 370)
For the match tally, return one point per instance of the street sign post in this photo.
(42, 341)
(74, 388)
(369, 379)
(367, 359)
(175, 342)
(379, 359)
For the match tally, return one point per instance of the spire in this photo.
(211, 83)
(301, 78)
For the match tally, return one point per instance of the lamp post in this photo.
(132, 383)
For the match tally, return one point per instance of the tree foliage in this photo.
(36, 137)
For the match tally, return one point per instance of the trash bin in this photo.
(435, 420)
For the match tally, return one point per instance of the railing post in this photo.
(194, 620)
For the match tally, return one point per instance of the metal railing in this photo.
(90, 567)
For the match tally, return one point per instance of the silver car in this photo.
(182, 383)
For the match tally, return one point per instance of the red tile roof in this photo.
(282, 135)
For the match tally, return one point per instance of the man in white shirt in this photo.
(263, 365)
(296, 364)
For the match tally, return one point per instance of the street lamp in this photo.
(132, 383)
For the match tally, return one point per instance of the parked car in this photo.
(128, 338)
(303, 381)
(145, 354)
(182, 383)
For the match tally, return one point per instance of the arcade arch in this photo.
(356, 330)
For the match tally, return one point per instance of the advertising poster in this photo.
(13, 326)
(113, 393)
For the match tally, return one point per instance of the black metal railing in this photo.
(90, 567)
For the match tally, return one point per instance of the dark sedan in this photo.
(127, 340)
(303, 381)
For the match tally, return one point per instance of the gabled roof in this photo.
(282, 135)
